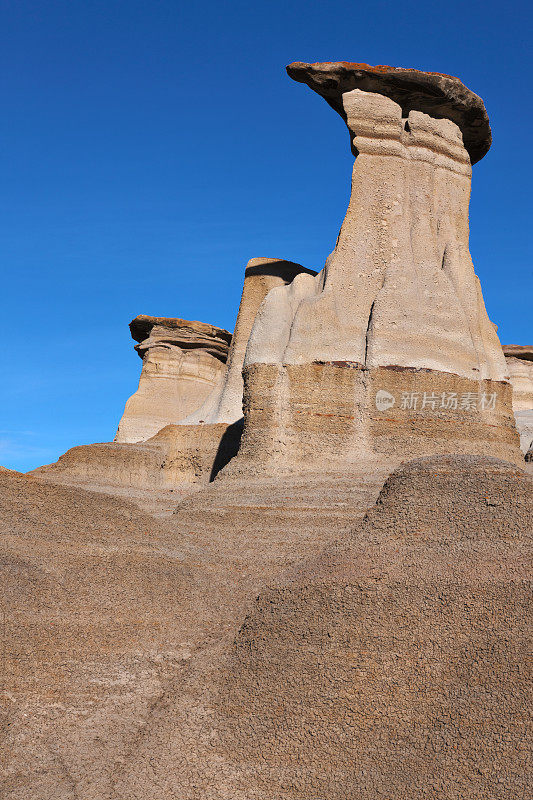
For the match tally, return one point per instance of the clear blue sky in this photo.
(149, 149)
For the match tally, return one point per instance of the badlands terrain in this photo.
(301, 569)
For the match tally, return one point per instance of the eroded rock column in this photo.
(389, 350)
(183, 361)
(519, 360)
(260, 276)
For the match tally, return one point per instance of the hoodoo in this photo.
(260, 276)
(183, 361)
(520, 365)
(389, 349)
(296, 614)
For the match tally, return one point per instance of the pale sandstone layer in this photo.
(521, 372)
(400, 287)
(183, 361)
(520, 364)
(521, 376)
(398, 294)
(260, 276)
(177, 457)
(524, 424)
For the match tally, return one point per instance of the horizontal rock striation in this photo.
(436, 94)
(394, 664)
(178, 458)
(520, 365)
(332, 416)
(521, 351)
(260, 276)
(183, 361)
(397, 308)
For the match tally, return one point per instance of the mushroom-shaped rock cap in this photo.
(431, 92)
(186, 334)
(141, 326)
(523, 351)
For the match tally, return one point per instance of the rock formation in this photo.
(519, 360)
(260, 276)
(183, 362)
(389, 349)
(108, 613)
(222, 653)
(178, 457)
(520, 365)
(264, 638)
(393, 665)
(193, 452)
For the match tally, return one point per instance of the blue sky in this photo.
(149, 149)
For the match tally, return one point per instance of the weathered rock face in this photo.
(399, 287)
(183, 361)
(524, 426)
(177, 457)
(395, 322)
(176, 354)
(520, 365)
(261, 275)
(393, 665)
(113, 623)
(264, 641)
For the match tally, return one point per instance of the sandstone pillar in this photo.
(520, 365)
(519, 360)
(260, 276)
(389, 350)
(183, 362)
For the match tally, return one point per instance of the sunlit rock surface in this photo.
(182, 362)
(389, 349)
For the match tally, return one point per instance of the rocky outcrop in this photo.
(520, 365)
(399, 288)
(177, 457)
(260, 276)
(110, 617)
(524, 425)
(203, 443)
(264, 638)
(394, 664)
(521, 351)
(183, 361)
(176, 353)
(389, 348)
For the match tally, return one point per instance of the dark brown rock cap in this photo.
(436, 94)
(523, 351)
(184, 333)
(141, 326)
